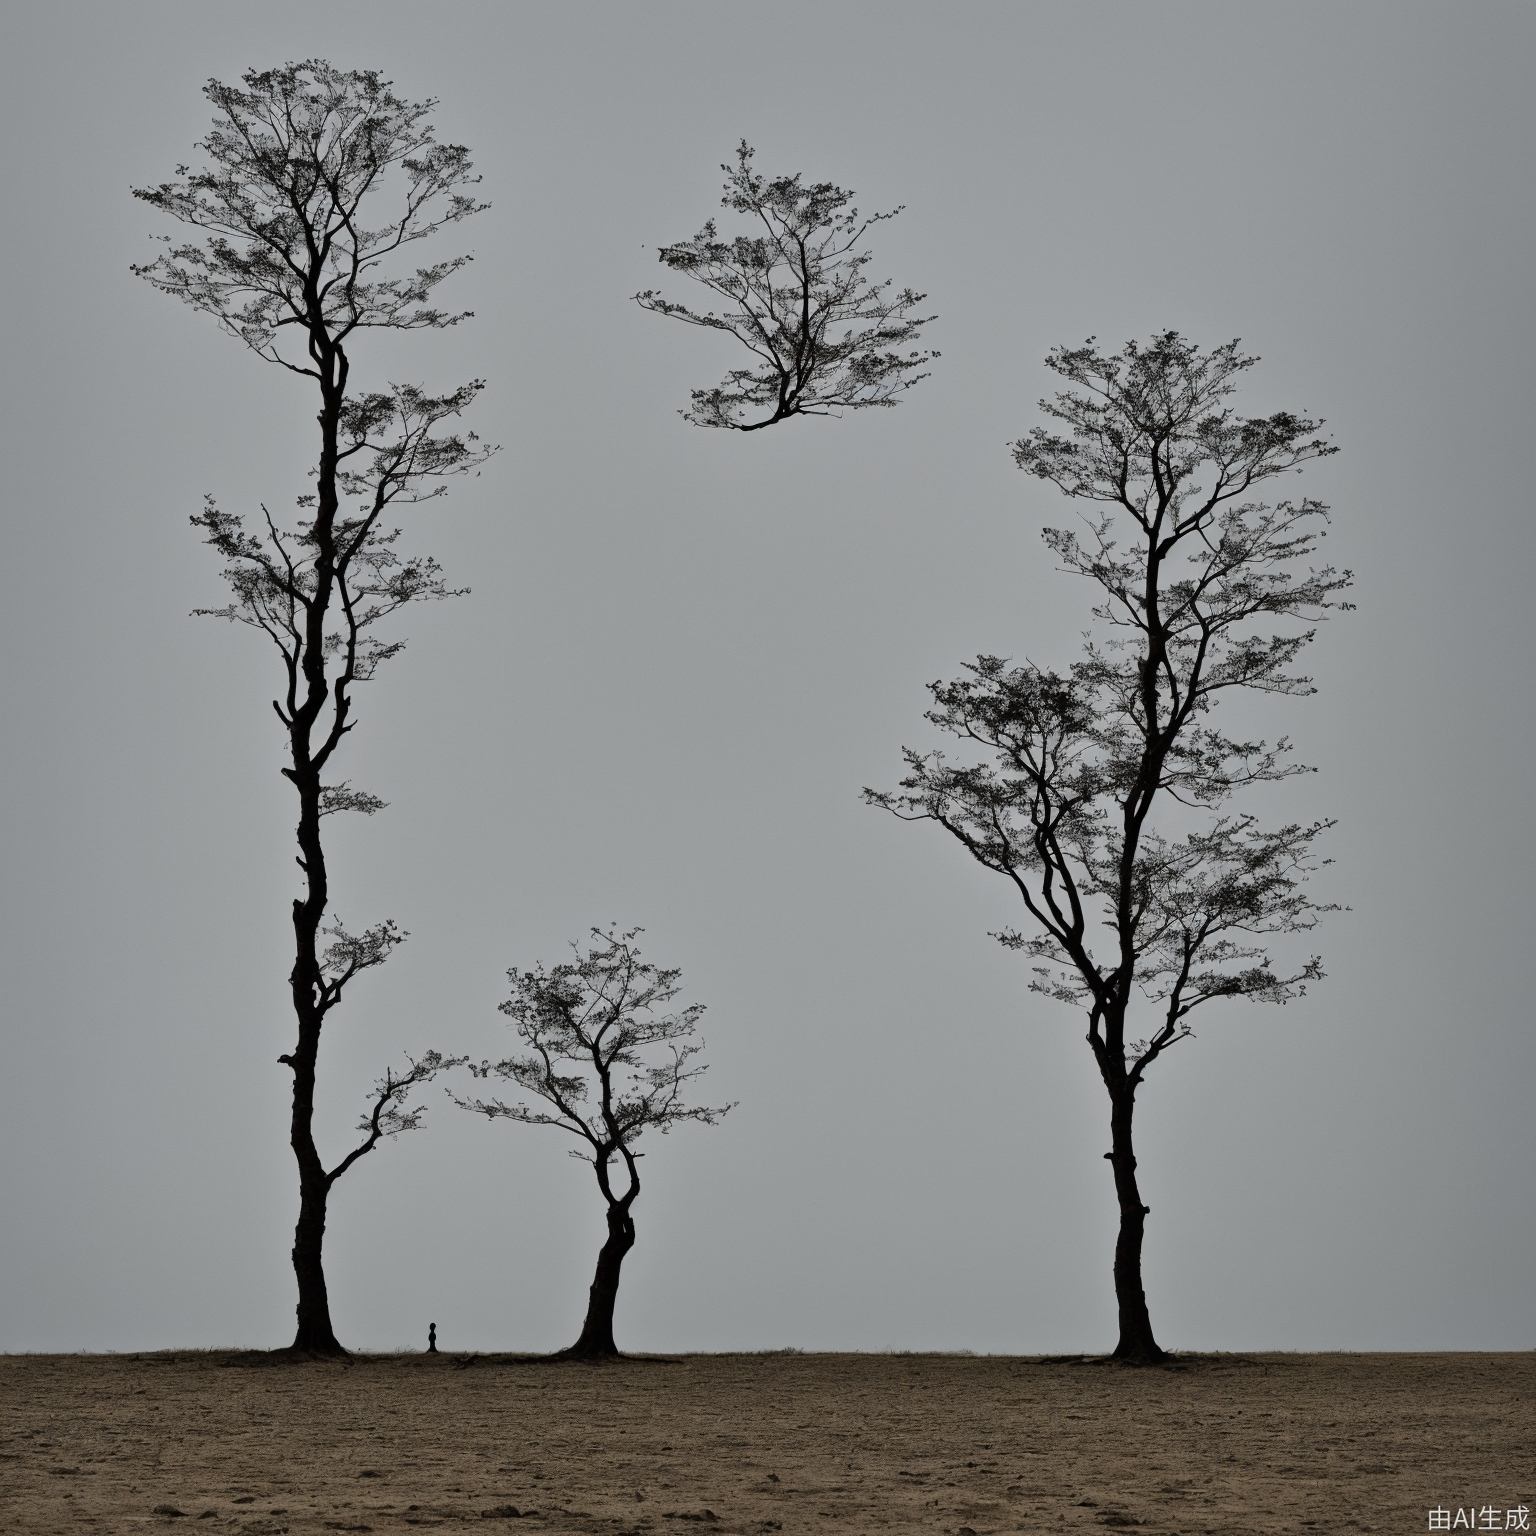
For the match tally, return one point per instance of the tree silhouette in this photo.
(824, 337)
(315, 178)
(606, 1066)
(1071, 764)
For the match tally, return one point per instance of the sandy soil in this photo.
(757, 1443)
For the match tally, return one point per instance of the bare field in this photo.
(756, 1443)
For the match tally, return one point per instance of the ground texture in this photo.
(754, 1443)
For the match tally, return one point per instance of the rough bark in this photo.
(596, 1341)
(1137, 1343)
(315, 1336)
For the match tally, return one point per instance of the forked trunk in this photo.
(1137, 1344)
(596, 1341)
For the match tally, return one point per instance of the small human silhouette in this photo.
(431, 1338)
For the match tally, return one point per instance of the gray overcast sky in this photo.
(686, 651)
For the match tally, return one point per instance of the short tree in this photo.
(605, 1064)
(299, 219)
(793, 288)
(1073, 763)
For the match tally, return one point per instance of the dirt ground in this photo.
(755, 1443)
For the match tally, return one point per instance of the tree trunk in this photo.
(596, 1341)
(1137, 1344)
(315, 1335)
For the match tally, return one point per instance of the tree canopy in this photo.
(824, 337)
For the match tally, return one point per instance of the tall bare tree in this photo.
(1067, 768)
(824, 337)
(593, 1027)
(315, 178)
